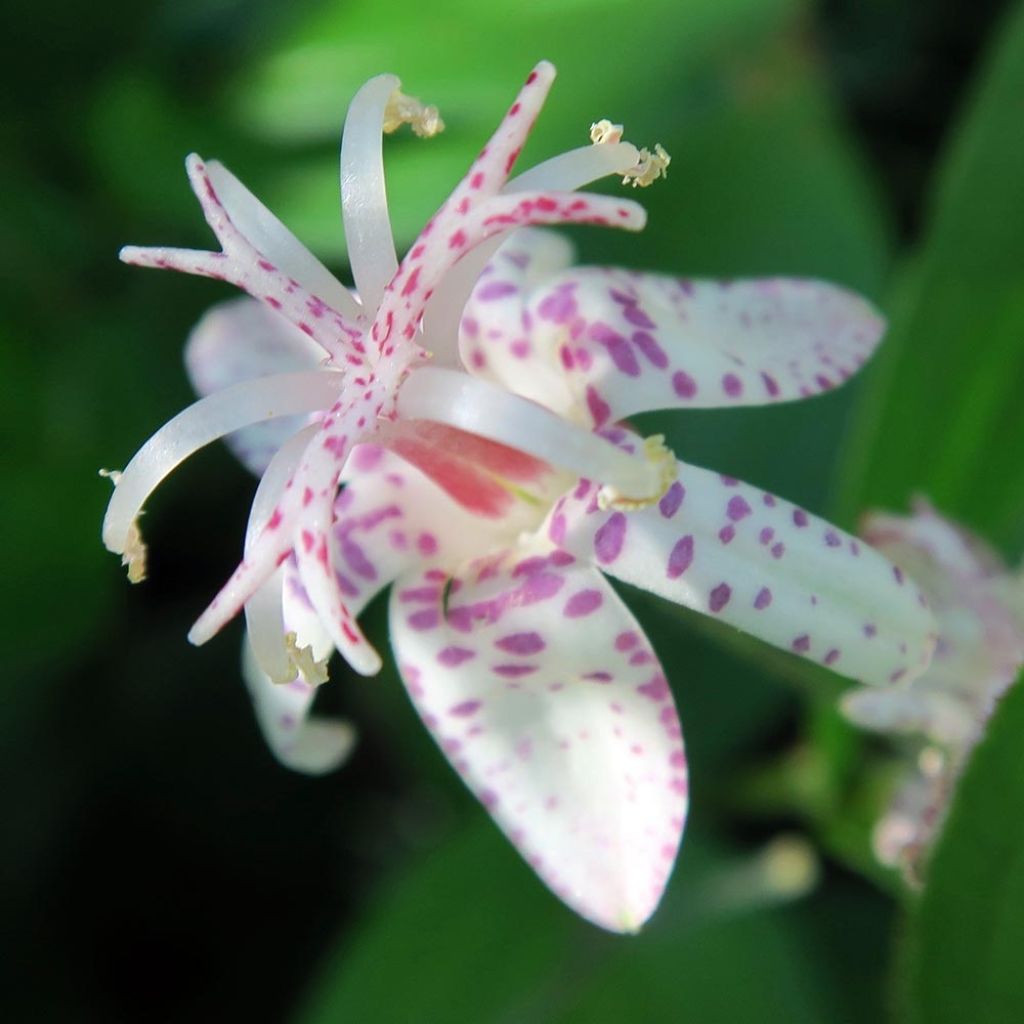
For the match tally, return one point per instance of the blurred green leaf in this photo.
(478, 939)
(945, 415)
(965, 938)
(462, 936)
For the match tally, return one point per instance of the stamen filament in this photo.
(264, 617)
(364, 201)
(204, 421)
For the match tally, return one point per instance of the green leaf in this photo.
(461, 937)
(965, 939)
(945, 416)
(467, 934)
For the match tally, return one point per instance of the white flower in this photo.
(941, 714)
(467, 405)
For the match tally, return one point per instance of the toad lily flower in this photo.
(941, 714)
(453, 431)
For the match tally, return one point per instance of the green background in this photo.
(157, 864)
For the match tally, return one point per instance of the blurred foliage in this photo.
(964, 940)
(168, 869)
(948, 382)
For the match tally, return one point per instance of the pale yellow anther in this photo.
(312, 671)
(134, 554)
(425, 121)
(663, 462)
(603, 131)
(649, 168)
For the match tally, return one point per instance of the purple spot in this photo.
(540, 587)
(513, 671)
(832, 657)
(583, 603)
(618, 348)
(765, 536)
(637, 317)
(719, 597)
(870, 630)
(656, 690)
(465, 709)
(770, 384)
(732, 385)
(897, 573)
(651, 349)
(778, 550)
(599, 408)
(426, 618)
(763, 599)
(737, 508)
(453, 656)
(626, 641)
(726, 533)
(556, 531)
(832, 539)
(802, 644)
(671, 500)
(559, 307)
(345, 585)
(799, 517)
(357, 560)
(680, 558)
(683, 384)
(521, 643)
(609, 539)
(495, 290)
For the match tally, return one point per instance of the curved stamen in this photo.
(481, 408)
(301, 523)
(364, 201)
(264, 617)
(577, 168)
(202, 422)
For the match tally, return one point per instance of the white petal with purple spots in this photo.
(729, 550)
(540, 687)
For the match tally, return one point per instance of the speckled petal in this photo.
(742, 555)
(540, 687)
(241, 339)
(626, 342)
(496, 336)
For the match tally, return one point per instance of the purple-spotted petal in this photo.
(241, 339)
(538, 684)
(773, 570)
(497, 340)
(629, 342)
